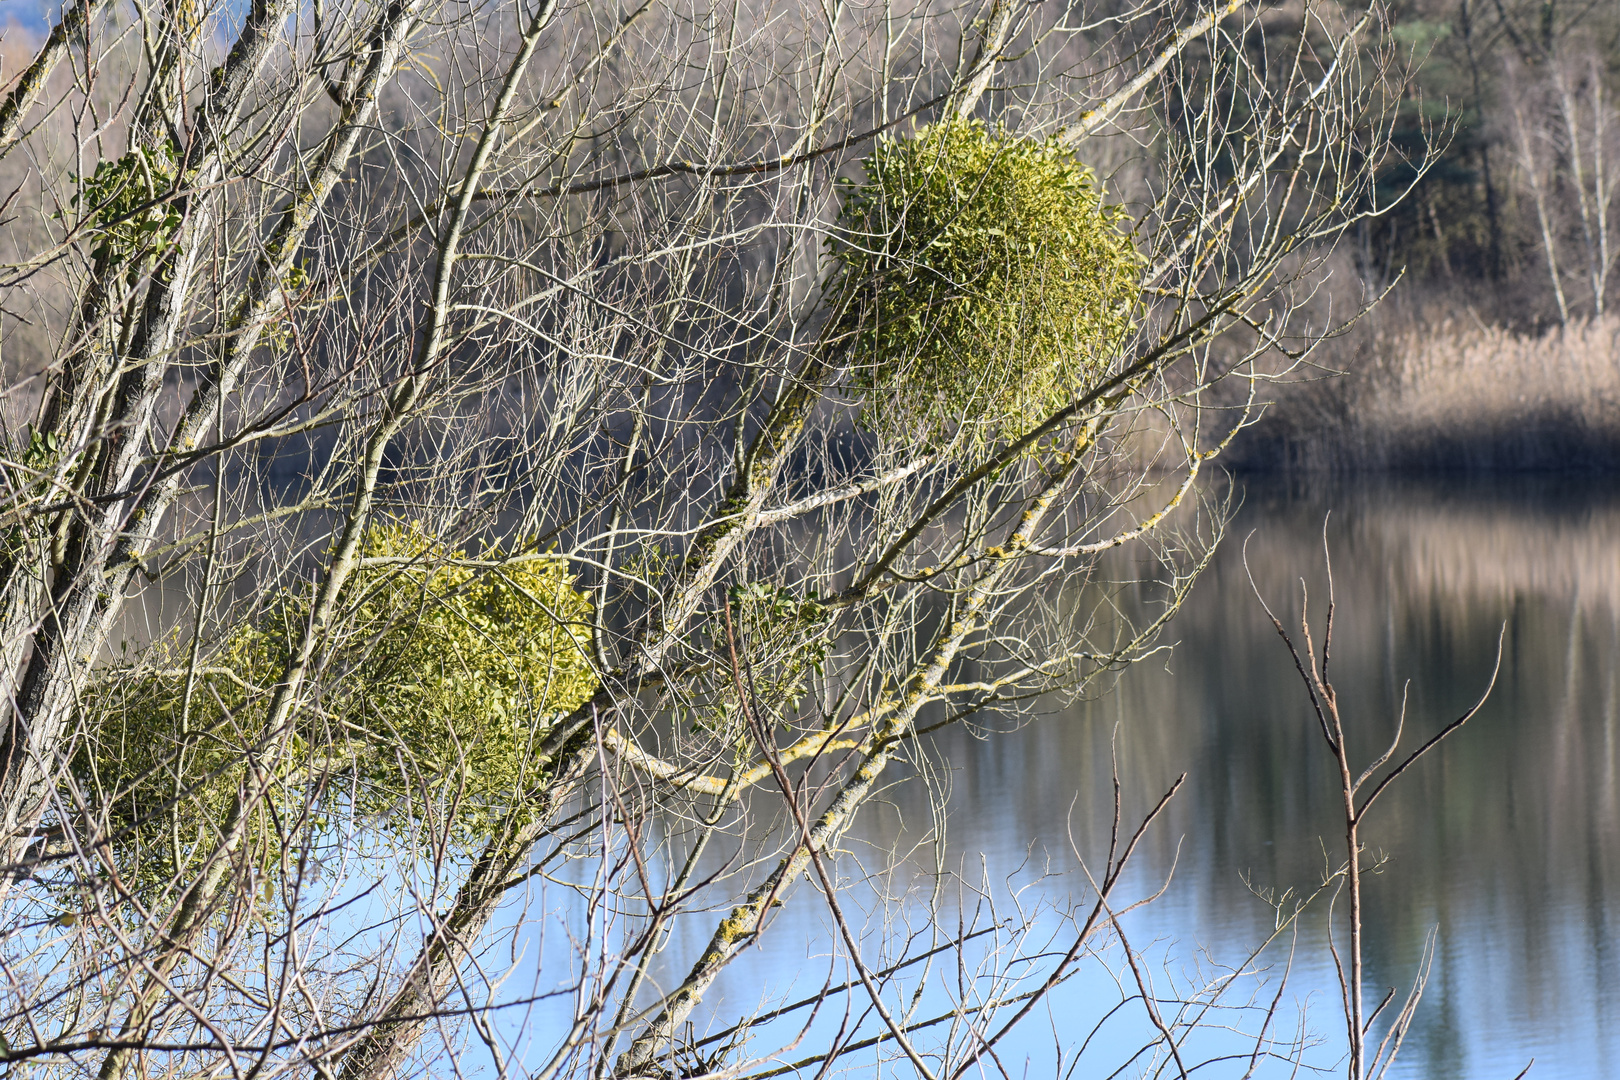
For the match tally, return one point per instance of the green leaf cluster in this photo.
(471, 670)
(440, 681)
(27, 475)
(164, 771)
(40, 450)
(981, 279)
(122, 196)
(781, 640)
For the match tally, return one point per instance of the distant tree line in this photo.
(1524, 199)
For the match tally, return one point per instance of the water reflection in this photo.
(1505, 844)
(1506, 841)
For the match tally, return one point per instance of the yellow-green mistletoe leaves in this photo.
(981, 280)
(469, 671)
(40, 450)
(164, 768)
(440, 677)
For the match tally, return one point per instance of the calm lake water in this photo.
(1502, 848)
(1504, 844)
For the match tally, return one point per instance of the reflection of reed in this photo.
(1477, 542)
(1508, 839)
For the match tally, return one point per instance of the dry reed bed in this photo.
(1455, 394)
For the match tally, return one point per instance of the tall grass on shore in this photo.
(1451, 393)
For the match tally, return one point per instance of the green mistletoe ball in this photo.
(981, 281)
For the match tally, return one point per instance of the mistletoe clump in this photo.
(436, 694)
(981, 281)
(764, 658)
(124, 198)
(472, 670)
